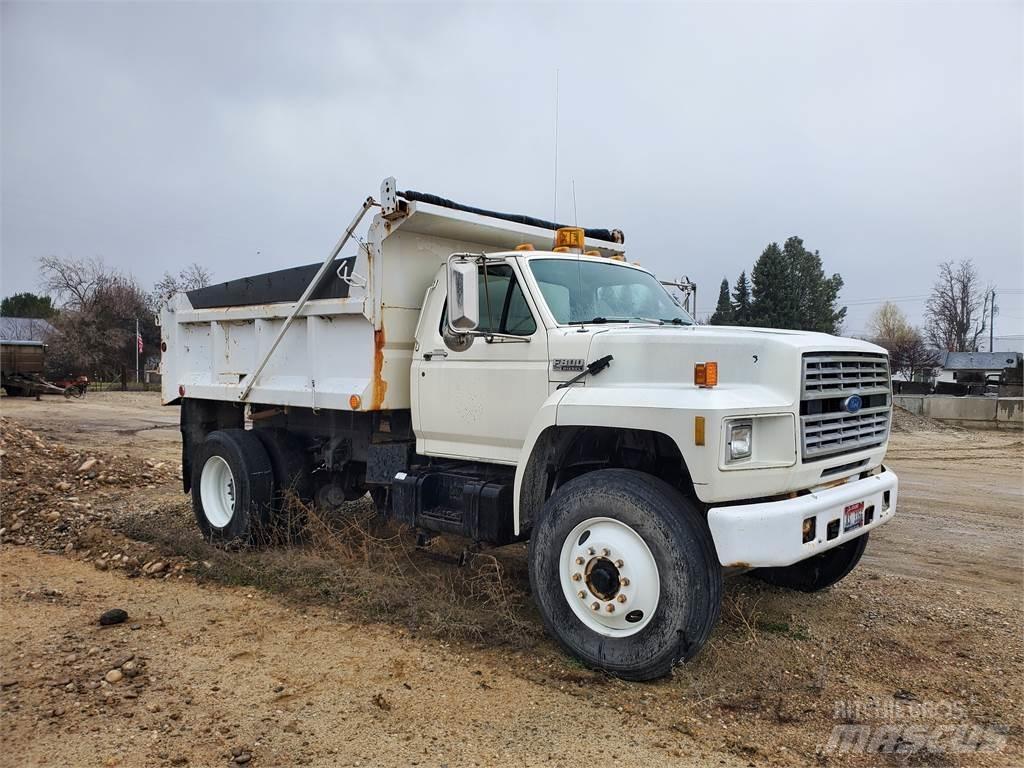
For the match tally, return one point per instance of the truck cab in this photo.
(504, 381)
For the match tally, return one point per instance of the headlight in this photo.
(740, 440)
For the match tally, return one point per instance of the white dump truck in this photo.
(503, 379)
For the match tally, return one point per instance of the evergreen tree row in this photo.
(786, 289)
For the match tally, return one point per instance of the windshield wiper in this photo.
(599, 320)
(676, 321)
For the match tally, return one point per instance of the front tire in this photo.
(624, 571)
(818, 572)
(232, 487)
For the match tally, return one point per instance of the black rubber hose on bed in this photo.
(608, 235)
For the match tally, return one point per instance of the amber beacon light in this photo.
(569, 240)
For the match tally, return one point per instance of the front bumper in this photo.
(770, 533)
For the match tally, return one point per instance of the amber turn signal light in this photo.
(705, 374)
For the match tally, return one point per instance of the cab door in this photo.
(478, 403)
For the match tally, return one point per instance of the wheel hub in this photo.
(609, 577)
(602, 578)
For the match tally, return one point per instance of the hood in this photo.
(664, 356)
(806, 341)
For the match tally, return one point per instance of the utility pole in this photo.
(992, 322)
(138, 343)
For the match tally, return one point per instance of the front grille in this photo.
(827, 428)
(832, 375)
(837, 433)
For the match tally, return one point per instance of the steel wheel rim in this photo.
(217, 491)
(609, 577)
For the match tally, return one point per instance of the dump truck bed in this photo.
(350, 346)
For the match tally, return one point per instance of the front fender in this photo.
(666, 410)
(546, 417)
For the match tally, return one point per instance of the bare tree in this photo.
(913, 357)
(889, 325)
(956, 308)
(74, 282)
(99, 307)
(908, 352)
(193, 276)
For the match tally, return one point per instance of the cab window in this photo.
(503, 307)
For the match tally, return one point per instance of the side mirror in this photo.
(463, 294)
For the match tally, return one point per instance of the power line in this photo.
(921, 296)
(866, 302)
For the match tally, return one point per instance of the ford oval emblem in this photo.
(852, 404)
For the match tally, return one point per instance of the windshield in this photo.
(579, 291)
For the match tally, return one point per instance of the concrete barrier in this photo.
(977, 412)
(1010, 412)
(912, 403)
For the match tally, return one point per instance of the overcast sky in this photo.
(889, 136)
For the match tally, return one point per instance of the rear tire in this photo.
(818, 572)
(232, 487)
(288, 460)
(649, 565)
(292, 480)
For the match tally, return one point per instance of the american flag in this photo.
(138, 341)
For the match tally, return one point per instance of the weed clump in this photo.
(369, 569)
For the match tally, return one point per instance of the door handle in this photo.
(435, 353)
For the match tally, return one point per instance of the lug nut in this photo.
(580, 561)
(606, 552)
(590, 551)
(582, 594)
(619, 563)
(621, 598)
(577, 576)
(610, 608)
(624, 582)
(595, 606)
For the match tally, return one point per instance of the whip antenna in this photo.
(554, 214)
(575, 216)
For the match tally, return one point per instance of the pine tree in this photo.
(27, 305)
(723, 311)
(772, 290)
(741, 304)
(791, 291)
(814, 294)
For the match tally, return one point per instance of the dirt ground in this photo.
(280, 658)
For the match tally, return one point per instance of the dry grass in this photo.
(371, 571)
(739, 608)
